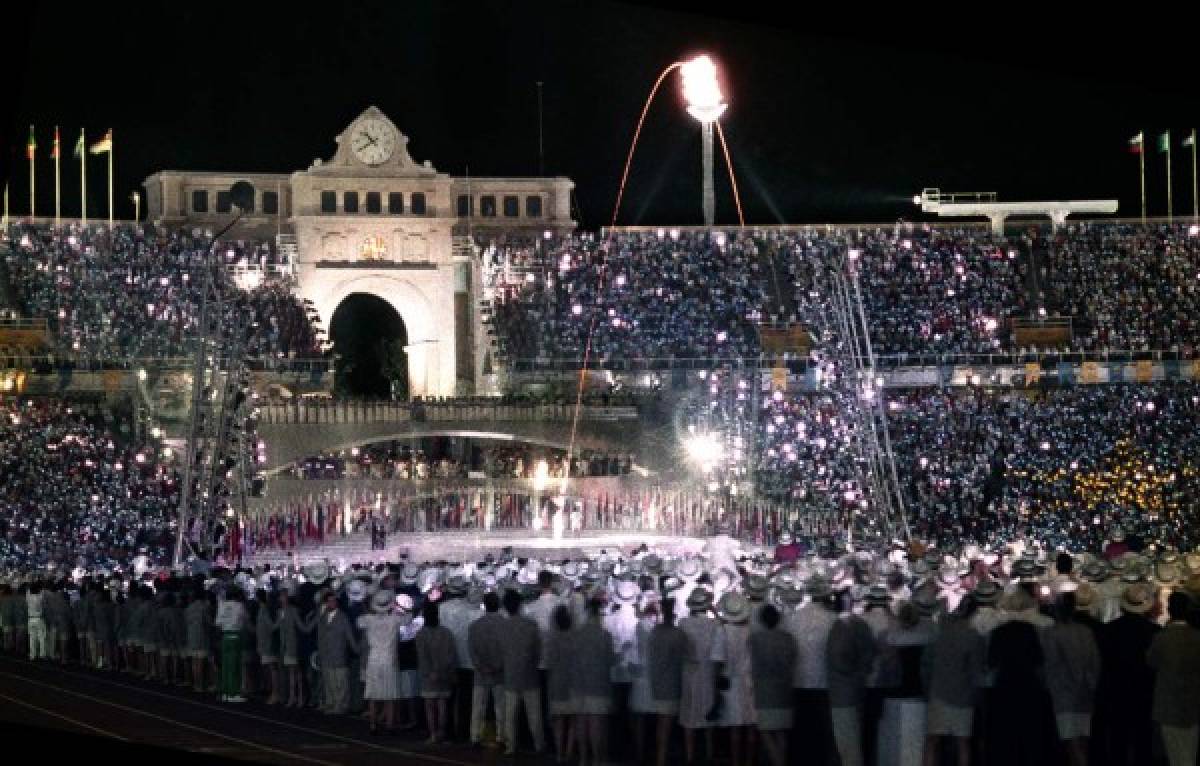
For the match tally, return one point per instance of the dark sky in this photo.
(833, 117)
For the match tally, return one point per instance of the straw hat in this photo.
(819, 587)
(689, 568)
(429, 579)
(733, 607)
(1085, 596)
(755, 587)
(1096, 570)
(926, 601)
(1025, 569)
(878, 595)
(456, 585)
(700, 600)
(408, 576)
(1138, 598)
(356, 591)
(627, 591)
(789, 596)
(382, 601)
(1191, 562)
(1018, 600)
(1168, 573)
(316, 573)
(987, 592)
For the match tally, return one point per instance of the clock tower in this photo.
(372, 220)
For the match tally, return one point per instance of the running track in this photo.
(115, 712)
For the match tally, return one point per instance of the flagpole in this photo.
(1195, 201)
(57, 180)
(1170, 207)
(32, 154)
(83, 176)
(6, 205)
(110, 178)
(1142, 172)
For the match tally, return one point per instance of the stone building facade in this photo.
(373, 220)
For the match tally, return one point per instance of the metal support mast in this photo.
(846, 365)
(706, 158)
(196, 502)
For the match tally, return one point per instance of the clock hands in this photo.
(370, 141)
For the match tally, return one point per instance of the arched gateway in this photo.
(372, 220)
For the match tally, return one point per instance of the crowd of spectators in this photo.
(1060, 465)
(640, 295)
(72, 489)
(925, 290)
(137, 291)
(1126, 286)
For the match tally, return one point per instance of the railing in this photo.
(301, 411)
(37, 323)
(47, 363)
(885, 361)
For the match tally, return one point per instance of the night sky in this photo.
(831, 119)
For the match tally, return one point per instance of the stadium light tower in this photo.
(702, 93)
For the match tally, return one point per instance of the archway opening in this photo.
(368, 345)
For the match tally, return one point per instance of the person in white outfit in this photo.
(699, 676)
(381, 632)
(34, 602)
(737, 701)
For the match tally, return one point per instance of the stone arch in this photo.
(416, 310)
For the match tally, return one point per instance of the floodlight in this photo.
(701, 90)
(704, 448)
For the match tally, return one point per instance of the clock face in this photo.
(372, 140)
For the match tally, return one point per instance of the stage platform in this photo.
(471, 545)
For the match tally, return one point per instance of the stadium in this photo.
(294, 441)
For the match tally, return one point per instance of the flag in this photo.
(54, 151)
(79, 144)
(103, 145)
(1191, 139)
(31, 147)
(1164, 142)
(1135, 143)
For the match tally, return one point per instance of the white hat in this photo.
(428, 579)
(688, 569)
(316, 573)
(382, 601)
(627, 590)
(410, 573)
